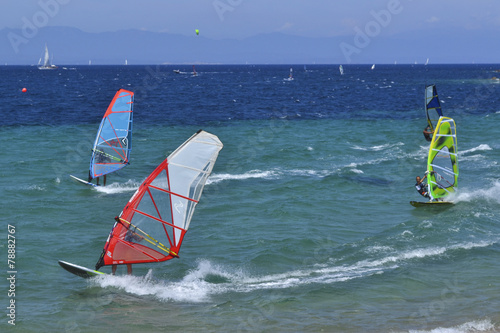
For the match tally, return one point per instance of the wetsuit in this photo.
(427, 134)
(422, 189)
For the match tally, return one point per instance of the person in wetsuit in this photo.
(422, 187)
(428, 132)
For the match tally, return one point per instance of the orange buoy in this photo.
(24, 90)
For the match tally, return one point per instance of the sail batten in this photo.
(159, 213)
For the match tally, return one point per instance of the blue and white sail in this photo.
(113, 142)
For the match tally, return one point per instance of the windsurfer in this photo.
(428, 132)
(132, 236)
(422, 187)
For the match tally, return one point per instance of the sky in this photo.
(238, 19)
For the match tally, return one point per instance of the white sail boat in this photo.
(341, 70)
(46, 61)
(290, 76)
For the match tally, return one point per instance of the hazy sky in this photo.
(243, 18)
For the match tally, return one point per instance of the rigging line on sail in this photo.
(443, 179)
(173, 193)
(164, 225)
(450, 172)
(156, 219)
(439, 185)
(151, 240)
(444, 152)
(154, 204)
(190, 168)
(116, 135)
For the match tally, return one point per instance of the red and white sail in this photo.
(152, 225)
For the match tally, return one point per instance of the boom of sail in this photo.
(442, 163)
(152, 225)
(113, 142)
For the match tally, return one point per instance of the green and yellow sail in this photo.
(442, 162)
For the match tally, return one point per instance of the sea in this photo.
(304, 225)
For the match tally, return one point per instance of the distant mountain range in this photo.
(73, 46)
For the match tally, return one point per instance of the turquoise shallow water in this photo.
(304, 225)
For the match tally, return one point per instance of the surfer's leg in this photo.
(113, 269)
(129, 269)
(104, 181)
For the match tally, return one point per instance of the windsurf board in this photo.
(83, 181)
(430, 203)
(79, 270)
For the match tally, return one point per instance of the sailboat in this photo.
(113, 142)
(341, 70)
(194, 72)
(432, 109)
(442, 163)
(373, 66)
(46, 61)
(290, 76)
(153, 223)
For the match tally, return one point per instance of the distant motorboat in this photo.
(46, 61)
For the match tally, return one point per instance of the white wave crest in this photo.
(215, 178)
(269, 174)
(379, 147)
(484, 325)
(481, 147)
(492, 193)
(113, 188)
(33, 188)
(209, 279)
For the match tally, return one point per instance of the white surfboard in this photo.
(82, 181)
